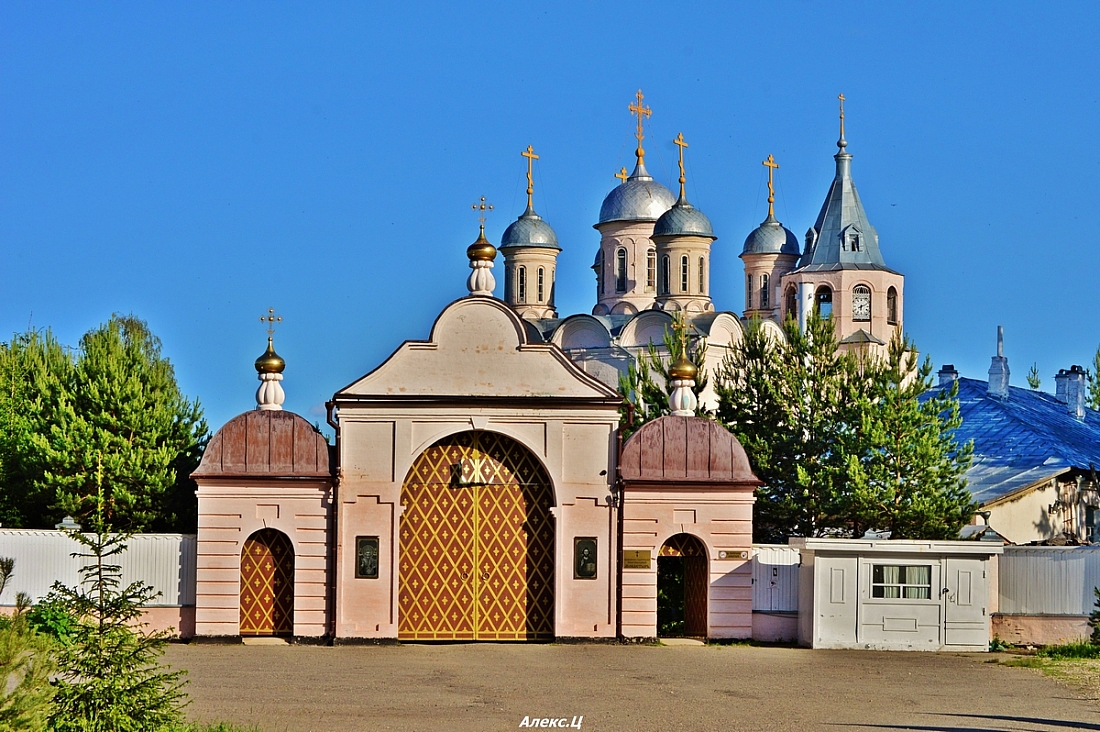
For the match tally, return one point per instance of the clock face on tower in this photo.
(861, 304)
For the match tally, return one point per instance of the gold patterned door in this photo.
(476, 543)
(267, 584)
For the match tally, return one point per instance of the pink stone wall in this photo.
(1040, 630)
(775, 627)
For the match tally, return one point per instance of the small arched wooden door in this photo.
(683, 574)
(267, 584)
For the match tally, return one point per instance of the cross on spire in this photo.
(841, 142)
(679, 142)
(481, 206)
(622, 175)
(771, 165)
(271, 319)
(529, 153)
(642, 112)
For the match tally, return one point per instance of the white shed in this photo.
(894, 595)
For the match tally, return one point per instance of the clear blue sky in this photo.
(197, 163)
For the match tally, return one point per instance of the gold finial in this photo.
(271, 319)
(679, 141)
(622, 175)
(682, 368)
(642, 112)
(529, 153)
(772, 165)
(482, 207)
(842, 142)
(481, 249)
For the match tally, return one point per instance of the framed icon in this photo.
(584, 557)
(366, 557)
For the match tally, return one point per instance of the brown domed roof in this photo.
(271, 444)
(685, 450)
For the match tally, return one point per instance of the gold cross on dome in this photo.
(481, 206)
(622, 175)
(271, 319)
(679, 142)
(771, 165)
(529, 153)
(841, 98)
(642, 112)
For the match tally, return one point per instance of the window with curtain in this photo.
(651, 270)
(684, 273)
(620, 270)
(521, 284)
(906, 582)
(765, 296)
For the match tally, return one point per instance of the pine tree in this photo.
(906, 472)
(646, 385)
(122, 417)
(1094, 618)
(1033, 379)
(1093, 397)
(26, 664)
(110, 679)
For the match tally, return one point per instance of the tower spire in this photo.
(642, 112)
(841, 143)
(679, 142)
(771, 166)
(529, 153)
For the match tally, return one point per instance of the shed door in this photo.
(966, 595)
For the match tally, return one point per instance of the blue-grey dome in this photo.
(640, 198)
(771, 237)
(529, 230)
(683, 219)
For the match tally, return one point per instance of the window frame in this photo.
(541, 291)
(765, 296)
(685, 272)
(620, 270)
(521, 285)
(650, 270)
(906, 589)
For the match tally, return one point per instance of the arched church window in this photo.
(521, 284)
(792, 303)
(598, 266)
(702, 276)
(765, 297)
(892, 306)
(861, 303)
(748, 292)
(620, 270)
(823, 298)
(666, 265)
(684, 273)
(542, 285)
(650, 270)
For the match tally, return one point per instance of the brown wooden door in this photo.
(267, 584)
(477, 543)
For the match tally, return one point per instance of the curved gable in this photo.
(259, 443)
(685, 450)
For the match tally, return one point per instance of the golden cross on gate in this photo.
(641, 111)
(622, 175)
(482, 207)
(679, 142)
(529, 153)
(271, 319)
(771, 165)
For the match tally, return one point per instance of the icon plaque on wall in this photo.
(366, 557)
(584, 557)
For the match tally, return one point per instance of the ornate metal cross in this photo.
(771, 165)
(529, 153)
(271, 319)
(642, 112)
(679, 142)
(841, 98)
(622, 175)
(482, 207)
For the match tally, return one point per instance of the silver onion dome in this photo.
(529, 230)
(771, 237)
(683, 219)
(640, 198)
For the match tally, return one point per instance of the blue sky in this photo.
(197, 163)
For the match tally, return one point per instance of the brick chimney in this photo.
(948, 375)
(1075, 392)
(998, 370)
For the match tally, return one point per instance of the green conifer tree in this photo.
(26, 664)
(1093, 396)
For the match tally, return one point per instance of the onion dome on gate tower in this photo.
(530, 249)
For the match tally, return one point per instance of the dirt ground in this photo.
(740, 687)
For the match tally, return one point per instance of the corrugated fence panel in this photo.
(164, 561)
(774, 578)
(1048, 580)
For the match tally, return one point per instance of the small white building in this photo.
(895, 594)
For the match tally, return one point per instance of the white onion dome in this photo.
(771, 237)
(529, 230)
(683, 219)
(639, 198)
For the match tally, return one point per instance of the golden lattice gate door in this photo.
(476, 543)
(267, 584)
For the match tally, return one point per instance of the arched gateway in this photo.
(267, 584)
(476, 543)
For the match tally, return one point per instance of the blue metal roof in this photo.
(1020, 440)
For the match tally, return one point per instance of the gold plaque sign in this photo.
(734, 554)
(637, 558)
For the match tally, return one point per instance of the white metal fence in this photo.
(1048, 580)
(774, 578)
(164, 561)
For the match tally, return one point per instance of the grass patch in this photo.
(1079, 672)
(1078, 649)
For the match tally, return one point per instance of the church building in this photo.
(479, 487)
